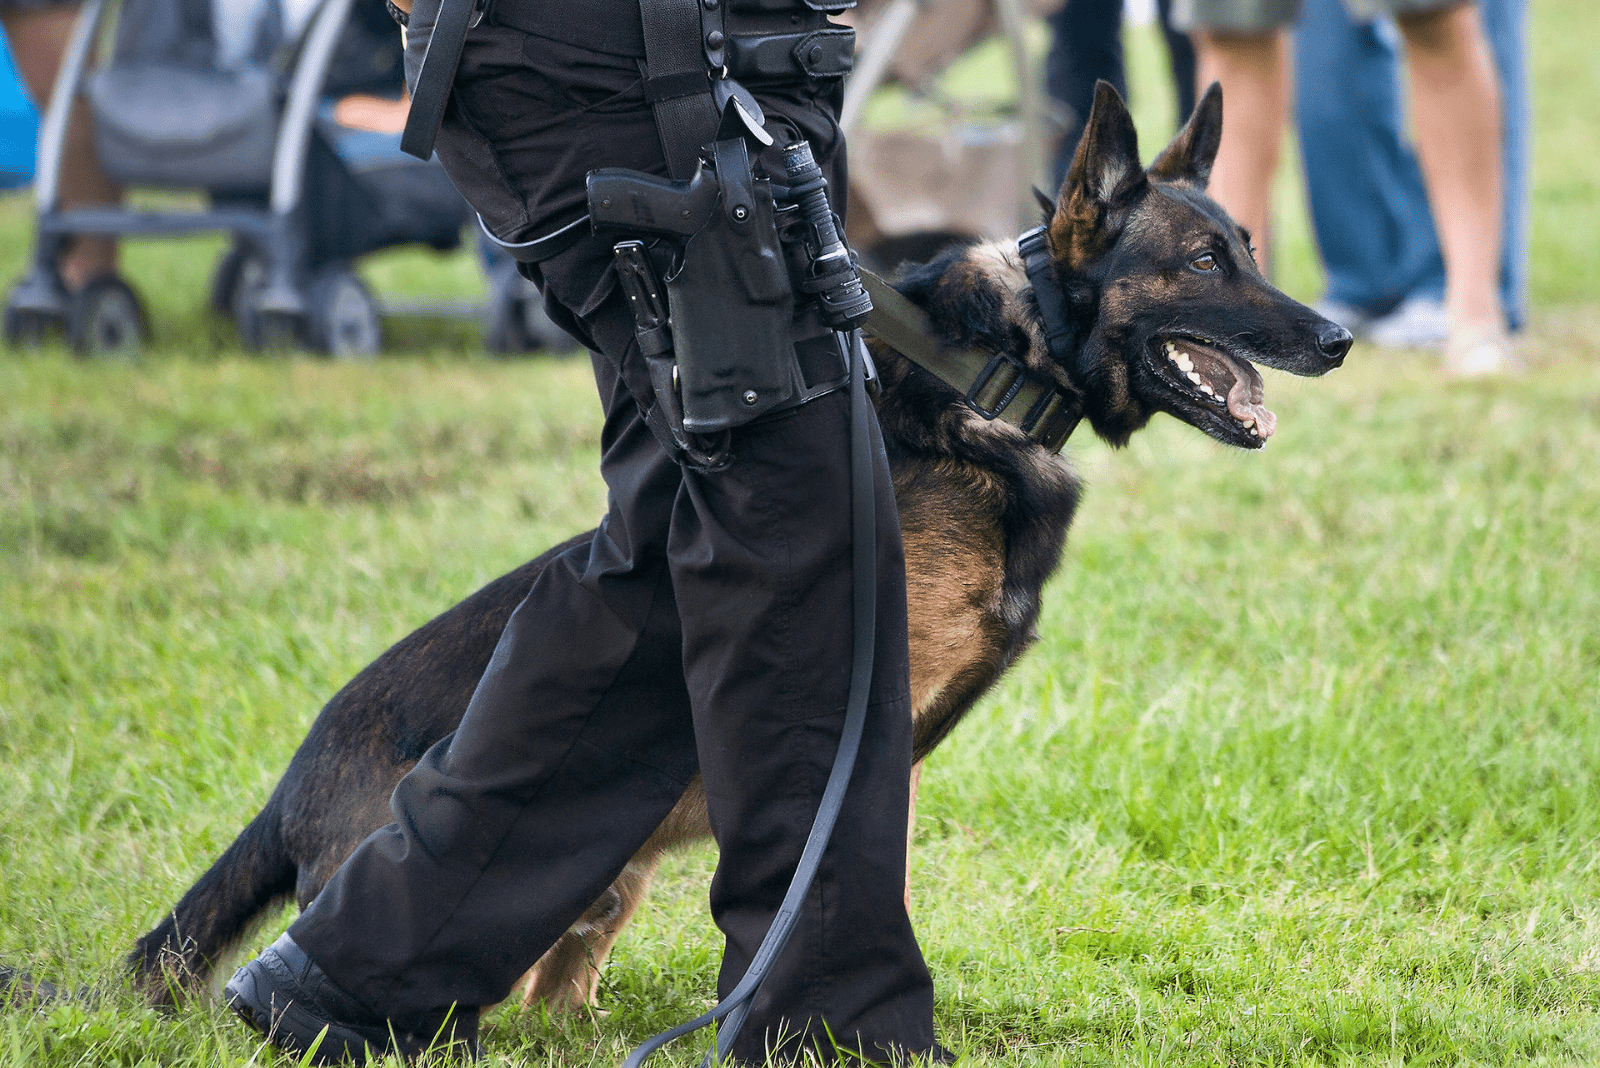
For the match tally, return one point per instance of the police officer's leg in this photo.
(760, 562)
(575, 746)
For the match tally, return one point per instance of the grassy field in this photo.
(1302, 771)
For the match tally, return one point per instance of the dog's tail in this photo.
(254, 874)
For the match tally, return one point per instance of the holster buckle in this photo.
(990, 402)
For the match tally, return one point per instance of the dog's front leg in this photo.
(911, 827)
(566, 977)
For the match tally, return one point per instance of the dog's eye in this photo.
(1205, 262)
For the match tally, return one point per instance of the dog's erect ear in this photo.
(1045, 202)
(1105, 173)
(1191, 153)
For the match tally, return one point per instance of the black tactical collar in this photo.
(1034, 246)
(995, 385)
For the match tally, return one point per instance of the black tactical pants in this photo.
(707, 628)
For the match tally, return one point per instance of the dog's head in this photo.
(1172, 311)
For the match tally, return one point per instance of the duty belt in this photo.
(681, 46)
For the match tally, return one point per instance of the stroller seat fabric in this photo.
(181, 103)
(160, 124)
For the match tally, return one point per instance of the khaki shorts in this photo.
(1247, 16)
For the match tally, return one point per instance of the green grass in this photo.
(1302, 770)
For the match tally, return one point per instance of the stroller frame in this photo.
(104, 318)
(877, 53)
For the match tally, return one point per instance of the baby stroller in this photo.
(182, 104)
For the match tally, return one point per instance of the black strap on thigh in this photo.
(438, 75)
(677, 80)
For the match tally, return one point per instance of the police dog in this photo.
(1170, 314)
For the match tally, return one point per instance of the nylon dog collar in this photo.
(995, 385)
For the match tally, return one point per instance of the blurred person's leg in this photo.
(1369, 209)
(1253, 68)
(1244, 46)
(1085, 47)
(38, 37)
(1180, 53)
(1456, 112)
(1505, 22)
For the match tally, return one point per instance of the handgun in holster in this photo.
(733, 324)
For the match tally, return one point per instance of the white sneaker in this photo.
(1354, 319)
(1418, 323)
(1479, 351)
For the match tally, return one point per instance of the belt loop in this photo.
(676, 48)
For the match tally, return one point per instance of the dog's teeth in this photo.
(1194, 378)
(1184, 363)
(1207, 390)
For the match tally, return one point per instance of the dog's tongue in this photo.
(1244, 399)
(1216, 374)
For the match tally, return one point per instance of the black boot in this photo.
(284, 995)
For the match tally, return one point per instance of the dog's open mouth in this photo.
(1226, 382)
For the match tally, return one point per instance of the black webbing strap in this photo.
(437, 76)
(1034, 246)
(995, 385)
(677, 81)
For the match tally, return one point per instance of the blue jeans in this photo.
(1086, 46)
(1368, 204)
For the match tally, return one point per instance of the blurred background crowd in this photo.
(1413, 121)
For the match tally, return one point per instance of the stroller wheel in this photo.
(225, 281)
(244, 279)
(27, 328)
(276, 331)
(237, 276)
(105, 320)
(344, 317)
(503, 329)
(514, 320)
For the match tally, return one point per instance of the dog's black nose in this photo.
(1334, 341)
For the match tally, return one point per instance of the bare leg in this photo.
(1254, 71)
(38, 39)
(1456, 102)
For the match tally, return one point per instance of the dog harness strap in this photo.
(996, 386)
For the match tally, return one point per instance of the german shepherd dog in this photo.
(1170, 314)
